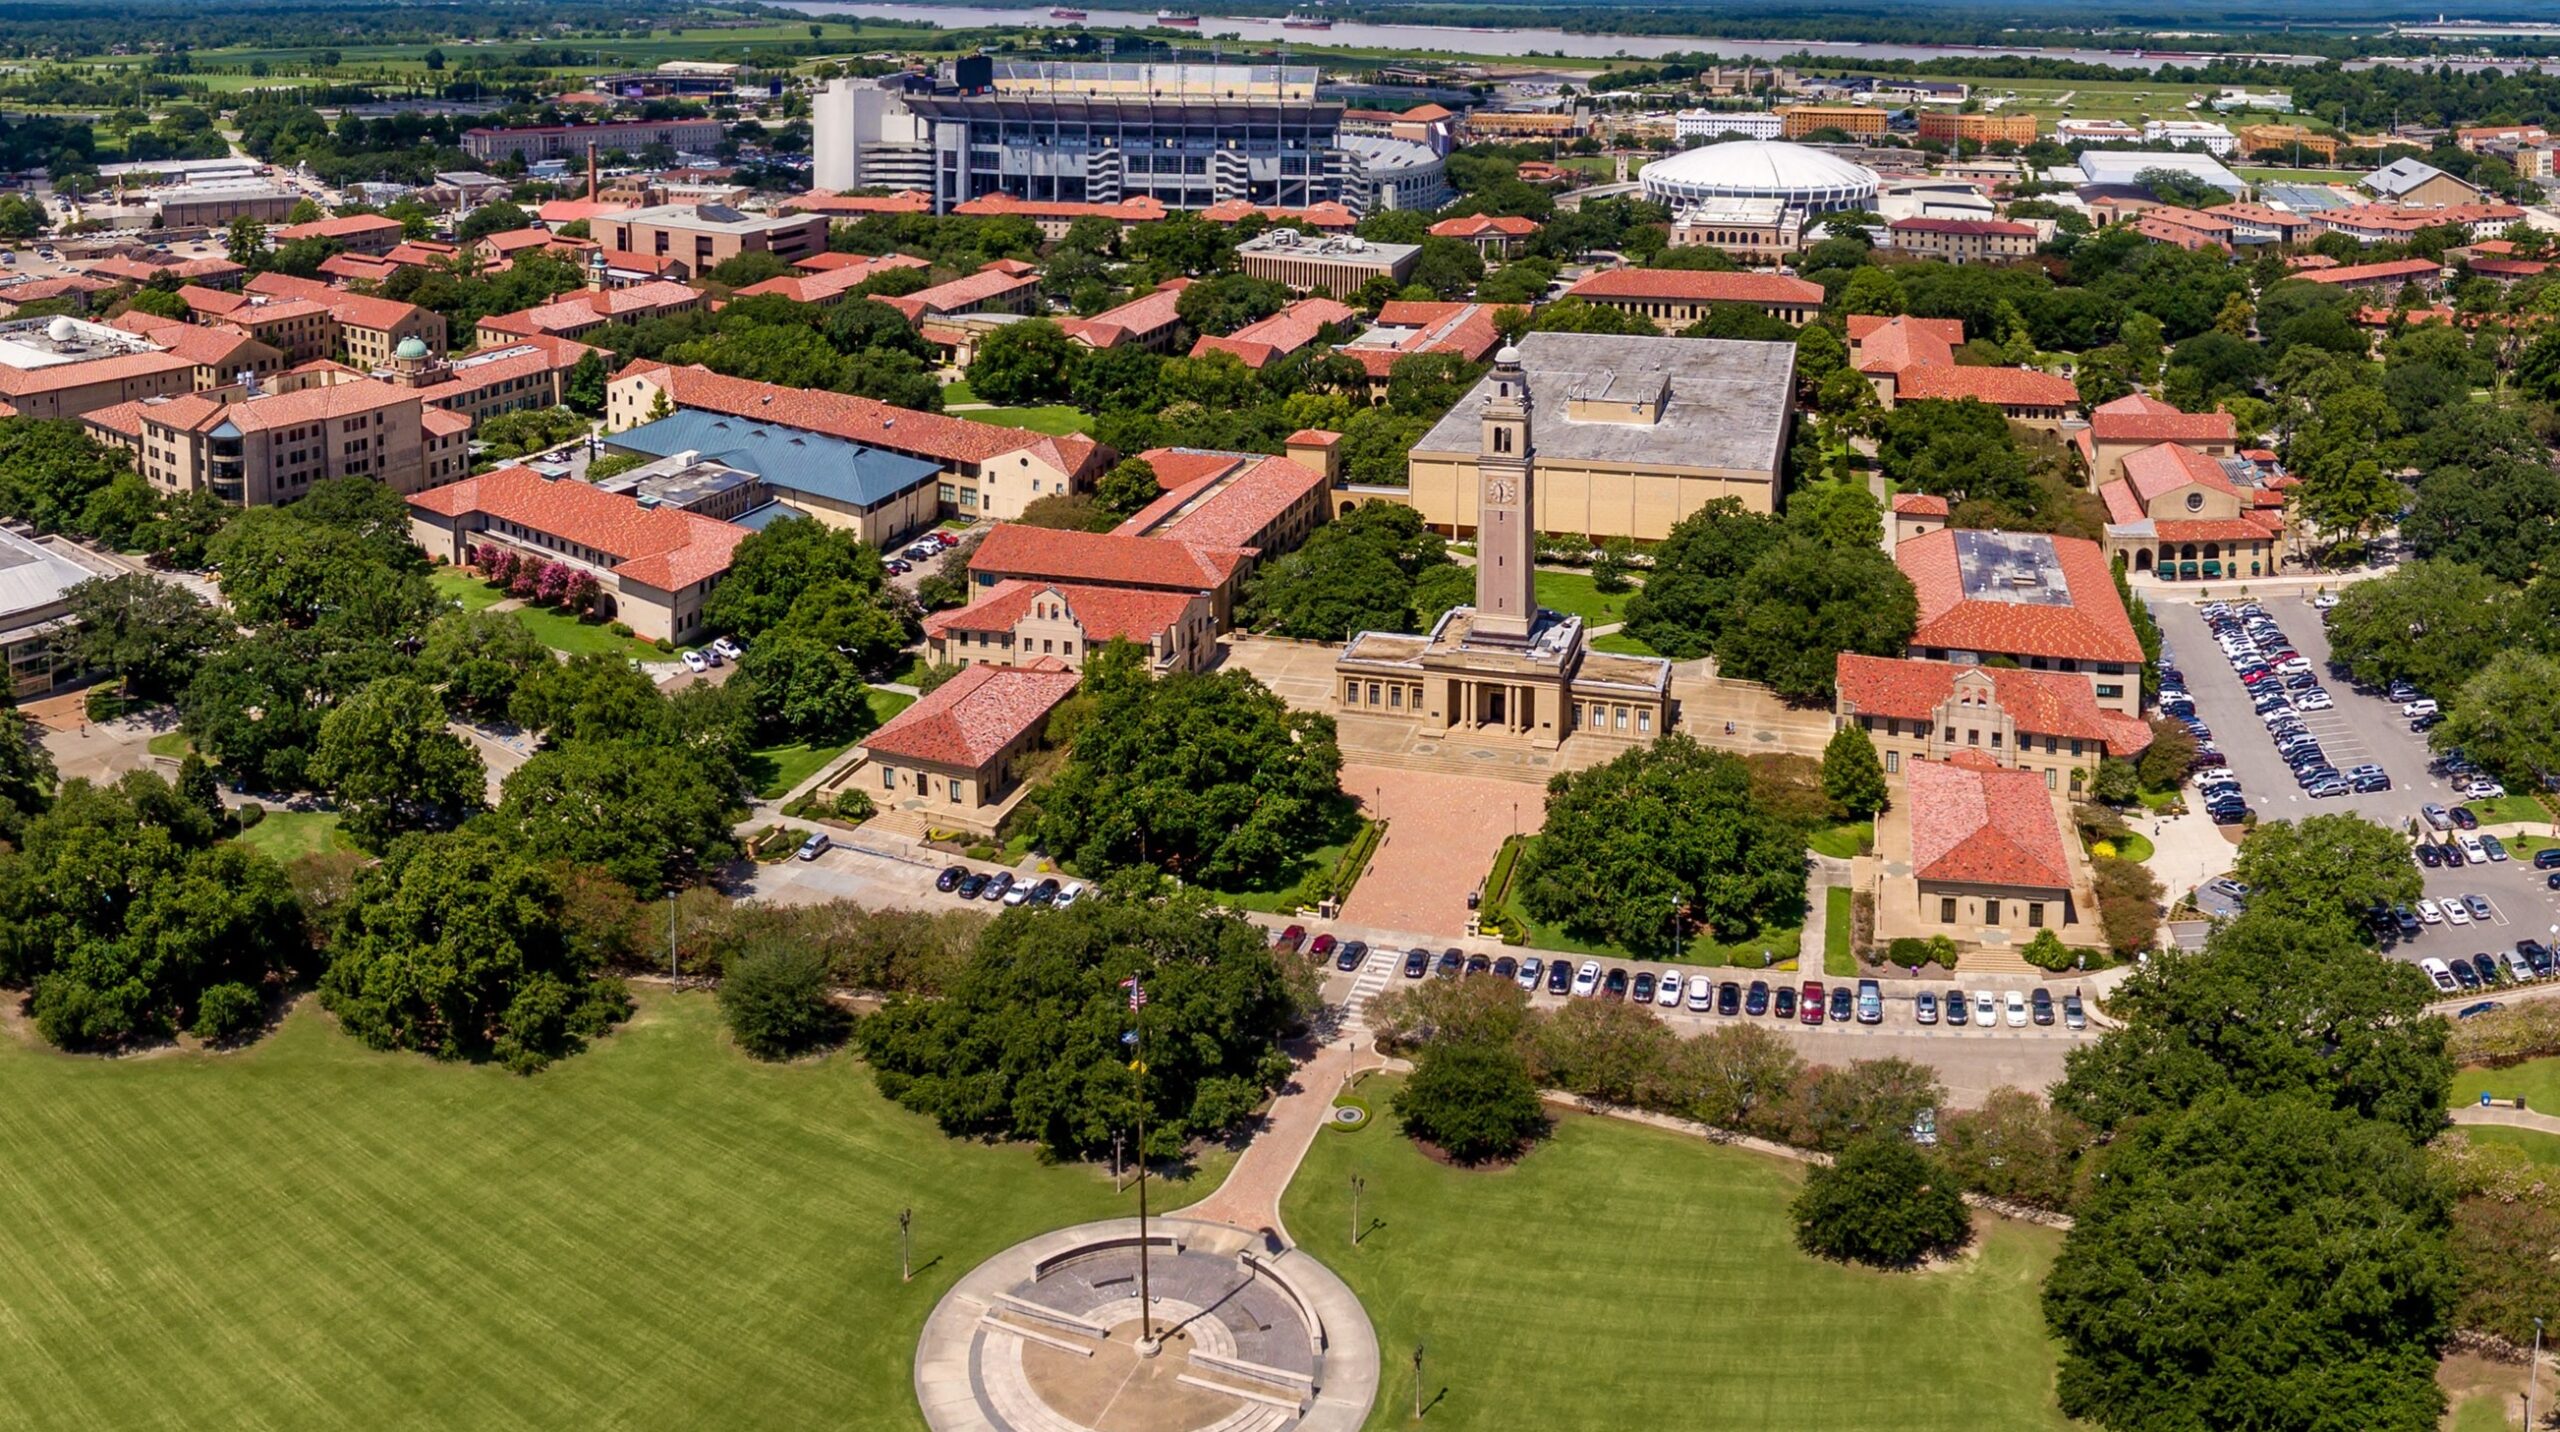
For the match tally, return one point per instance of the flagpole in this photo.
(1147, 1344)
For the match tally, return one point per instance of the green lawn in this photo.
(958, 391)
(455, 584)
(1056, 420)
(908, 671)
(289, 834)
(2540, 1147)
(776, 769)
(1843, 842)
(2132, 846)
(657, 1233)
(1676, 1288)
(1781, 943)
(1575, 594)
(2256, 174)
(2538, 1080)
(172, 744)
(1284, 898)
(1623, 645)
(2485, 1413)
(2513, 807)
(1839, 961)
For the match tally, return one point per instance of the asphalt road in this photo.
(2358, 729)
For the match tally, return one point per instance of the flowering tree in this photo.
(584, 592)
(551, 582)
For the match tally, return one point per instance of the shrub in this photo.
(1883, 1203)
(2103, 850)
(250, 813)
(774, 996)
(228, 1012)
(1474, 1102)
(1908, 951)
(664, 645)
(2047, 952)
(618, 628)
(980, 851)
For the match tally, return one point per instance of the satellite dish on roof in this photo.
(62, 329)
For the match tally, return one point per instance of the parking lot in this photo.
(2360, 727)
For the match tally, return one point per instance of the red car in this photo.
(1322, 947)
(1292, 939)
(1811, 1003)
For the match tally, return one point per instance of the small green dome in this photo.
(412, 347)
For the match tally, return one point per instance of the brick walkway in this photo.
(1442, 835)
(1250, 1198)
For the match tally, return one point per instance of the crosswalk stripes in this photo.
(1375, 974)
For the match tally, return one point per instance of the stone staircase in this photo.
(1989, 961)
(910, 823)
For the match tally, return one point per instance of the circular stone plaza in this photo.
(1804, 180)
(1247, 1336)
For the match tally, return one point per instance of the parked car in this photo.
(1811, 1002)
(2472, 850)
(2436, 815)
(696, 663)
(2073, 1015)
(1320, 946)
(2407, 921)
(1843, 1007)
(2497, 848)
(1532, 970)
(815, 846)
(2463, 974)
(1290, 940)
(2547, 858)
(1560, 978)
(1506, 968)
(971, 887)
(2484, 790)
(1070, 893)
(1729, 998)
(1451, 964)
(1986, 1009)
(2437, 972)
(1870, 1002)
(1614, 985)
(2486, 1006)
(2456, 912)
(2428, 912)
(1353, 954)
(2485, 967)
(1644, 987)
(2016, 1005)
(726, 647)
(1667, 994)
(1959, 1011)
(1020, 893)
(1702, 994)
(1783, 1003)
(2428, 856)
(1479, 965)
(999, 885)
(950, 878)
(1417, 963)
(1756, 1003)
(2041, 1004)
(2463, 819)
(2480, 908)
(1924, 1007)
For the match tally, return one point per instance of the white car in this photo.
(2213, 775)
(2438, 972)
(1586, 980)
(2457, 912)
(2313, 701)
(2325, 601)
(2423, 706)
(2295, 667)
(1702, 995)
(1073, 892)
(1019, 893)
(1530, 970)
(2017, 1010)
(694, 662)
(1986, 1009)
(2428, 912)
(725, 647)
(2473, 852)
(2484, 790)
(1668, 995)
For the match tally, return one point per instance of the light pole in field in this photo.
(906, 1258)
(1357, 1183)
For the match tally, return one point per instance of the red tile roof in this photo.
(832, 282)
(1465, 329)
(2165, 467)
(2203, 221)
(660, 547)
(2136, 418)
(1326, 216)
(2225, 529)
(344, 227)
(1697, 286)
(353, 268)
(911, 201)
(2001, 227)
(1479, 226)
(586, 308)
(1973, 826)
(996, 280)
(1919, 504)
(1280, 335)
(1105, 613)
(525, 357)
(556, 212)
(2000, 387)
(143, 270)
(1903, 343)
(2375, 273)
(205, 347)
(1101, 558)
(351, 310)
(511, 242)
(21, 382)
(1149, 312)
(2091, 626)
(970, 719)
(1178, 468)
(2049, 703)
(1226, 510)
(938, 436)
(1949, 330)
(1140, 210)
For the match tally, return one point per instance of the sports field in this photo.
(1622, 1277)
(657, 1233)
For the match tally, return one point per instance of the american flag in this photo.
(1137, 993)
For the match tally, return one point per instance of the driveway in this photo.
(2359, 728)
(1442, 835)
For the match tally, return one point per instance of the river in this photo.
(1526, 44)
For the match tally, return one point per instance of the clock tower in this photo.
(1506, 527)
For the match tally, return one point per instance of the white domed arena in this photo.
(1805, 180)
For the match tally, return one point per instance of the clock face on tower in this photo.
(1501, 492)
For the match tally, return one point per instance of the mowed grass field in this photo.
(1626, 1277)
(656, 1233)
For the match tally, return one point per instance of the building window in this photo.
(1395, 698)
(955, 790)
(1946, 911)
(1991, 912)
(1373, 693)
(2110, 693)
(2052, 777)
(888, 778)
(1892, 762)
(1644, 720)
(2035, 914)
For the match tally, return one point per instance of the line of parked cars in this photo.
(922, 550)
(721, 650)
(2281, 686)
(2529, 961)
(1809, 1003)
(1043, 893)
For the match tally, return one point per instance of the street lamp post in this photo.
(906, 1258)
(1357, 1183)
(1417, 1382)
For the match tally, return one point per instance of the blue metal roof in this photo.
(785, 458)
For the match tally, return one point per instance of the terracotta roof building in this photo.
(2040, 721)
(1055, 217)
(1916, 514)
(298, 328)
(220, 355)
(1676, 298)
(1963, 241)
(2136, 421)
(1325, 217)
(1002, 286)
(1109, 559)
(1149, 321)
(1909, 359)
(2177, 513)
(1494, 235)
(2047, 603)
(356, 233)
(207, 272)
(260, 445)
(591, 308)
(911, 201)
(988, 471)
(831, 283)
(1021, 621)
(368, 328)
(949, 757)
(1406, 327)
(2426, 274)
(1261, 343)
(655, 564)
(1989, 861)
(64, 367)
(522, 373)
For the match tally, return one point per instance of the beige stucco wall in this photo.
(1637, 502)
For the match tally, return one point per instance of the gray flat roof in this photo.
(2104, 166)
(1728, 406)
